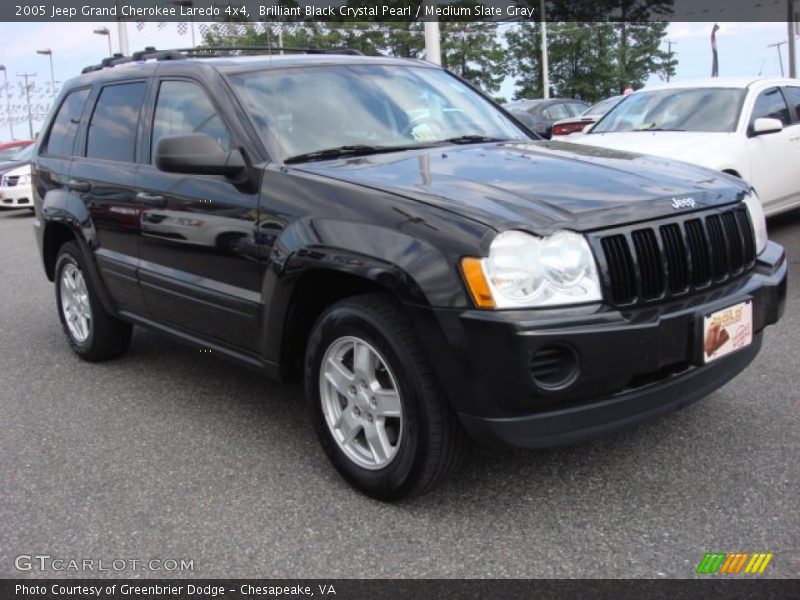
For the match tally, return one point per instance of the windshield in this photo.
(691, 109)
(15, 153)
(311, 109)
(25, 154)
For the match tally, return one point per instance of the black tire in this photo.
(108, 336)
(433, 444)
(228, 243)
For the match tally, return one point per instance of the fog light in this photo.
(554, 367)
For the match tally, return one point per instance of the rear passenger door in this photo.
(197, 272)
(105, 178)
(54, 159)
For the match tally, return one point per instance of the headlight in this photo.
(756, 211)
(523, 270)
(24, 179)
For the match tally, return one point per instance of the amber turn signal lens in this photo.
(476, 282)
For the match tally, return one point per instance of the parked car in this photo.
(539, 115)
(431, 272)
(15, 180)
(747, 127)
(573, 125)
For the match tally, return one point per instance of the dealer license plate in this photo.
(727, 330)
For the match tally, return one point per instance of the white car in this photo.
(746, 127)
(15, 188)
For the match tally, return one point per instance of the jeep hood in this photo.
(540, 186)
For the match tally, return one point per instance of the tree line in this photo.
(587, 60)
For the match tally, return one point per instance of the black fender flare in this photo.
(64, 209)
(409, 268)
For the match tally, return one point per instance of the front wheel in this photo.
(375, 403)
(93, 333)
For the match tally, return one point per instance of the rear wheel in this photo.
(94, 334)
(376, 406)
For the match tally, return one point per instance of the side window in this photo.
(112, 130)
(184, 107)
(61, 138)
(556, 112)
(793, 97)
(576, 109)
(771, 105)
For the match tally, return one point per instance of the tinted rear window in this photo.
(60, 141)
(112, 130)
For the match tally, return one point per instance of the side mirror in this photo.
(197, 153)
(764, 125)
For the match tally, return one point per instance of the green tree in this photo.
(368, 38)
(596, 49)
(523, 59)
(473, 51)
(588, 60)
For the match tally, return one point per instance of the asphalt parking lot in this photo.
(168, 453)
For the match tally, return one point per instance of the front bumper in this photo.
(16, 196)
(631, 365)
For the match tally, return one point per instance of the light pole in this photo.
(104, 31)
(8, 102)
(670, 44)
(28, 99)
(545, 61)
(433, 50)
(49, 53)
(122, 31)
(780, 57)
(792, 52)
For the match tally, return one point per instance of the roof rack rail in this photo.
(270, 49)
(150, 53)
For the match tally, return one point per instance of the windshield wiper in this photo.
(469, 139)
(652, 127)
(365, 149)
(340, 151)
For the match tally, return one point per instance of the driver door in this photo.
(196, 271)
(773, 170)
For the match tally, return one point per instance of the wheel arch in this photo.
(314, 292)
(66, 219)
(56, 234)
(305, 279)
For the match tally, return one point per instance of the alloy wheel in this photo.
(75, 304)
(361, 402)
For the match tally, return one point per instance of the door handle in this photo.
(77, 185)
(151, 199)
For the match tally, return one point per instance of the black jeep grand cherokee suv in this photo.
(383, 230)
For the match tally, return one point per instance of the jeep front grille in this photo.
(675, 257)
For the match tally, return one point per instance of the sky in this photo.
(742, 49)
